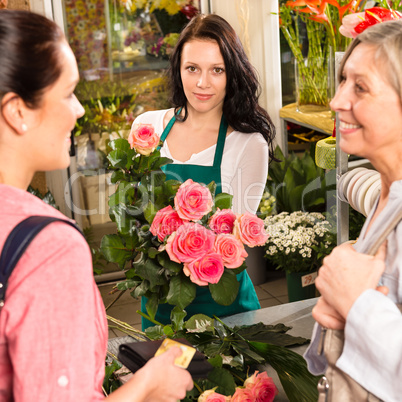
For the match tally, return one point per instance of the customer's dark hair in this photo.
(29, 49)
(240, 106)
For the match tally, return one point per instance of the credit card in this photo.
(187, 352)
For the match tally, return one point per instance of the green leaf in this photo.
(299, 384)
(109, 383)
(118, 176)
(222, 378)
(200, 323)
(216, 361)
(148, 269)
(161, 161)
(243, 349)
(274, 334)
(154, 332)
(223, 201)
(311, 171)
(168, 264)
(118, 159)
(295, 198)
(126, 285)
(152, 306)
(152, 252)
(170, 187)
(123, 218)
(181, 291)
(212, 188)
(120, 144)
(177, 318)
(114, 250)
(140, 290)
(150, 212)
(168, 331)
(225, 292)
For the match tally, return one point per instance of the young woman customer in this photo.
(53, 330)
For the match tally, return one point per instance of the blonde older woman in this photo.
(369, 107)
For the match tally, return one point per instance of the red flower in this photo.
(375, 15)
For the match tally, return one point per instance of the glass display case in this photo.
(122, 49)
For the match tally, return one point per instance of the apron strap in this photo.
(169, 126)
(221, 142)
(221, 137)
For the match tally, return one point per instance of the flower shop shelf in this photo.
(318, 121)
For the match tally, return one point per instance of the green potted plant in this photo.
(298, 184)
(303, 192)
(297, 243)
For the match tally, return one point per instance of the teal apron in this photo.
(203, 303)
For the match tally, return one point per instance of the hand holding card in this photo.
(187, 352)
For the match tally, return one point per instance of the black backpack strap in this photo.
(18, 241)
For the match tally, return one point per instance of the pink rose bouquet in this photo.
(173, 238)
(206, 240)
(143, 138)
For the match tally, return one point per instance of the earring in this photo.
(24, 127)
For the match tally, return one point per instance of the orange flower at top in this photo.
(317, 8)
(302, 3)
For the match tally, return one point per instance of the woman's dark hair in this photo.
(29, 49)
(240, 106)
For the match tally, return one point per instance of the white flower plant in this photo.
(298, 241)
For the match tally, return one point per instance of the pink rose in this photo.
(190, 242)
(263, 387)
(212, 396)
(231, 249)
(143, 138)
(193, 201)
(166, 221)
(250, 230)
(207, 269)
(222, 221)
(243, 395)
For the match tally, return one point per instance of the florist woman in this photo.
(215, 132)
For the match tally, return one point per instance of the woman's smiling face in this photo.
(203, 75)
(368, 106)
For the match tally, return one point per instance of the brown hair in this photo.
(240, 107)
(29, 48)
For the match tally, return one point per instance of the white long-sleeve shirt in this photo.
(244, 167)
